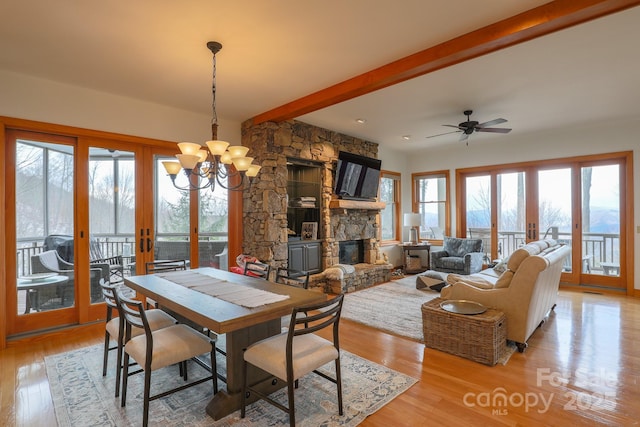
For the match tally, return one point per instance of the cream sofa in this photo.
(525, 291)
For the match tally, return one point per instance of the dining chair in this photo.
(165, 265)
(114, 327)
(160, 266)
(153, 350)
(291, 355)
(289, 277)
(257, 269)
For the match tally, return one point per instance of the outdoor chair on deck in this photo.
(297, 352)
(153, 350)
(51, 262)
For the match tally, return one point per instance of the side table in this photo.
(406, 253)
(478, 337)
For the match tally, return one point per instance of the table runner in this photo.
(234, 293)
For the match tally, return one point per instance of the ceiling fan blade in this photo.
(491, 123)
(494, 130)
(440, 134)
(464, 136)
(453, 126)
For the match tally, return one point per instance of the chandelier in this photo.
(219, 163)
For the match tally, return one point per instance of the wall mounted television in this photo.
(357, 177)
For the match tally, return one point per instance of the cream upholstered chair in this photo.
(114, 328)
(157, 349)
(297, 352)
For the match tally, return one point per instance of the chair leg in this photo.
(119, 366)
(125, 379)
(244, 390)
(339, 385)
(292, 407)
(105, 357)
(147, 393)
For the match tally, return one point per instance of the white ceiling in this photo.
(275, 51)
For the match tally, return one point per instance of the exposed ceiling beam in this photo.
(537, 22)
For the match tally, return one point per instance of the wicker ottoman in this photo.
(479, 337)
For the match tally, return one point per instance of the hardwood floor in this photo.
(582, 367)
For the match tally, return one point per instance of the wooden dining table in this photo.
(242, 325)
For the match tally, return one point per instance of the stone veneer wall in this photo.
(265, 202)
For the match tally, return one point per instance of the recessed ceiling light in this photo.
(406, 137)
(361, 121)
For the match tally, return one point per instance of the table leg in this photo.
(228, 401)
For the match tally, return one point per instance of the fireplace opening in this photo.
(351, 252)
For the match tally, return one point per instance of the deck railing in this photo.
(111, 245)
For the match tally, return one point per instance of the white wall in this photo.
(26, 97)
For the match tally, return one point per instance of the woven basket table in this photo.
(479, 337)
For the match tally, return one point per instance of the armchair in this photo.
(461, 256)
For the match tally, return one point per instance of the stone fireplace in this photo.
(265, 201)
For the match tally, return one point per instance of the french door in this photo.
(580, 202)
(84, 213)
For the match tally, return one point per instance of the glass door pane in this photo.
(213, 219)
(111, 216)
(601, 219)
(478, 209)
(171, 215)
(44, 226)
(555, 207)
(511, 212)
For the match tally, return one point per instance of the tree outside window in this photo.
(431, 201)
(390, 195)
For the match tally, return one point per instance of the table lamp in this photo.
(413, 220)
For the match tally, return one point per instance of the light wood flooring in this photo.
(582, 367)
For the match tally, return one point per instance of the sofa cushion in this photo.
(516, 258)
(504, 280)
(457, 247)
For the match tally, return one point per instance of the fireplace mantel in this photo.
(356, 204)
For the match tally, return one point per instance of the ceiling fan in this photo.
(471, 126)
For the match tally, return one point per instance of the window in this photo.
(390, 194)
(430, 193)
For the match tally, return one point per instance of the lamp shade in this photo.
(412, 220)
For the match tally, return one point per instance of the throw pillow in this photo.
(501, 267)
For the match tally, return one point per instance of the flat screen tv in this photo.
(357, 177)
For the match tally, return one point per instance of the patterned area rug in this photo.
(393, 307)
(396, 307)
(83, 397)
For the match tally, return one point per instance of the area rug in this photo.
(83, 397)
(393, 307)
